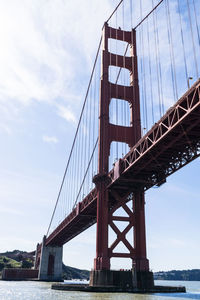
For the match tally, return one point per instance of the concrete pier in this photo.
(50, 268)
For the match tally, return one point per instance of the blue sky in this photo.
(44, 46)
(47, 49)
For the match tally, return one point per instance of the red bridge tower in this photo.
(108, 201)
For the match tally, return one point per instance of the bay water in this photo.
(31, 290)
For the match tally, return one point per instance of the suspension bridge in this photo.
(140, 123)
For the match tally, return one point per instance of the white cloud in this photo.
(50, 139)
(66, 113)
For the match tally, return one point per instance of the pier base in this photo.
(110, 289)
(109, 281)
(122, 279)
(145, 280)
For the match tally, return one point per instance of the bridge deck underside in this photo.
(171, 143)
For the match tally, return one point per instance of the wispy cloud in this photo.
(66, 113)
(43, 49)
(50, 139)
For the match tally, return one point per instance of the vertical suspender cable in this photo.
(144, 71)
(131, 10)
(116, 102)
(197, 27)
(192, 34)
(111, 104)
(123, 111)
(157, 64)
(169, 42)
(142, 76)
(94, 119)
(182, 41)
(77, 159)
(150, 73)
(90, 135)
(172, 50)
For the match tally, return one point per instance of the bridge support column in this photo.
(50, 268)
(140, 262)
(102, 260)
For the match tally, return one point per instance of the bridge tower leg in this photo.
(139, 277)
(50, 267)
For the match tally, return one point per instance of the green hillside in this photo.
(23, 259)
(6, 262)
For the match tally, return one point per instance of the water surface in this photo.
(30, 290)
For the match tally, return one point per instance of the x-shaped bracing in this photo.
(121, 235)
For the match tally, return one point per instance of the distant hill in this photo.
(19, 255)
(23, 259)
(73, 273)
(187, 275)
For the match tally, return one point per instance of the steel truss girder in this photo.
(170, 144)
(81, 217)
